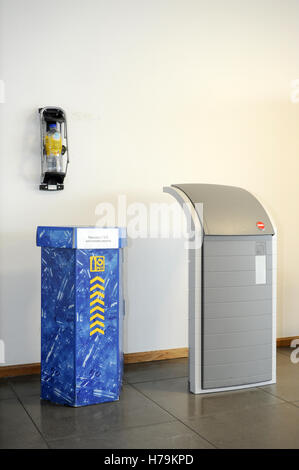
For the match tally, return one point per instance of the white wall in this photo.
(156, 91)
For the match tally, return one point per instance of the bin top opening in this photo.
(81, 237)
(228, 210)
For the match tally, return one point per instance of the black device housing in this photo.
(52, 180)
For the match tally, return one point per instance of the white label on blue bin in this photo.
(97, 238)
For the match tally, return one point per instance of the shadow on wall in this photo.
(20, 315)
(156, 292)
(20, 297)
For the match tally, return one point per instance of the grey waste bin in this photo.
(232, 288)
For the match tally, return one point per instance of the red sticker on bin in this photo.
(260, 225)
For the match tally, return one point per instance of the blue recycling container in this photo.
(82, 310)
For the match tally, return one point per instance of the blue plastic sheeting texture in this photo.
(55, 237)
(78, 368)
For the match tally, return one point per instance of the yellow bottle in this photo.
(53, 148)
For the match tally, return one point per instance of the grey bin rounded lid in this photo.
(228, 210)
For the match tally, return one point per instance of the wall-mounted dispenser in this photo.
(54, 148)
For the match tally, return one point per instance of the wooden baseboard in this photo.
(20, 369)
(161, 355)
(130, 358)
(285, 342)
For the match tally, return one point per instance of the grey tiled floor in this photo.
(156, 411)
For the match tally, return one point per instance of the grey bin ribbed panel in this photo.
(232, 279)
(232, 263)
(236, 340)
(216, 357)
(237, 294)
(238, 309)
(237, 312)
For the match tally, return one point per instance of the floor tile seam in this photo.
(32, 421)
(181, 421)
(289, 402)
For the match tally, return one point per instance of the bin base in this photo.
(59, 398)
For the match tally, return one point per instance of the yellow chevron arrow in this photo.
(97, 278)
(97, 322)
(97, 308)
(95, 330)
(95, 286)
(97, 315)
(97, 301)
(97, 293)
